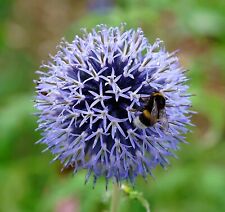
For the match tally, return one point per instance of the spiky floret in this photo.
(86, 96)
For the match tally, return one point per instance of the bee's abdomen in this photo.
(145, 118)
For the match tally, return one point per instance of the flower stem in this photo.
(115, 198)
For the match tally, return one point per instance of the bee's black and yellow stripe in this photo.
(159, 99)
(145, 117)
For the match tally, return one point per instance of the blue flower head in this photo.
(92, 90)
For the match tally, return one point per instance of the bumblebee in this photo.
(153, 112)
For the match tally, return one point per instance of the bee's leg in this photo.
(144, 99)
(137, 109)
(133, 110)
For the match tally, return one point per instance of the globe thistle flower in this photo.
(90, 93)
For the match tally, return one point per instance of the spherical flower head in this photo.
(94, 88)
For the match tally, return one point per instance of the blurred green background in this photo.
(30, 30)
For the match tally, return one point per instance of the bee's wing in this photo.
(163, 119)
(154, 112)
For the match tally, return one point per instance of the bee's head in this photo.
(160, 100)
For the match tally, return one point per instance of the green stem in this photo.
(145, 203)
(136, 195)
(115, 198)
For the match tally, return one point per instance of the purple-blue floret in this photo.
(87, 95)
